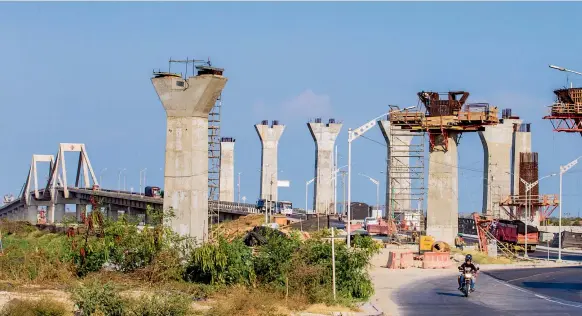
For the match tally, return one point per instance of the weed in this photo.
(167, 304)
(96, 297)
(44, 307)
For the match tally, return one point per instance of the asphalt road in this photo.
(543, 254)
(439, 296)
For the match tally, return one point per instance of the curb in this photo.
(369, 309)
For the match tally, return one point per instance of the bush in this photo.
(169, 304)
(98, 298)
(221, 263)
(44, 307)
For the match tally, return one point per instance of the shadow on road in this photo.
(554, 285)
(450, 294)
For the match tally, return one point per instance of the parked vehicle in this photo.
(512, 234)
(154, 192)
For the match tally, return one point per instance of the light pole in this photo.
(377, 183)
(306, 192)
(566, 70)
(100, 175)
(528, 187)
(144, 179)
(353, 135)
(119, 179)
(563, 170)
(238, 186)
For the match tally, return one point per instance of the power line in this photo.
(441, 163)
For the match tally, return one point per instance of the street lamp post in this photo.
(353, 135)
(100, 175)
(566, 70)
(563, 170)
(144, 179)
(377, 183)
(119, 179)
(238, 186)
(306, 192)
(528, 187)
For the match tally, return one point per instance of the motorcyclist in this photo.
(468, 263)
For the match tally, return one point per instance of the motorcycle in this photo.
(468, 276)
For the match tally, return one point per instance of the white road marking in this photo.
(540, 296)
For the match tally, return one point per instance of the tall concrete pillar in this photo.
(521, 144)
(31, 214)
(443, 188)
(227, 169)
(324, 136)
(398, 192)
(187, 103)
(497, 143)
(81, 208)
(269, 136)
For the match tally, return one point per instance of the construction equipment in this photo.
(425, 244)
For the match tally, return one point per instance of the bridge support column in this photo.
(443, 187)
(31, 214)
(81, 208)
(187, 103)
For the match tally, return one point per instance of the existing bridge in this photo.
(56, 194)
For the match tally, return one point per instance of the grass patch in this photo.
(41, 307)
(483, 258)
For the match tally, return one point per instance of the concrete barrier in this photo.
(436, 260)
(400, 260)
(406, 259)
(393, 260)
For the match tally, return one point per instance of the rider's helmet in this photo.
(468, 258)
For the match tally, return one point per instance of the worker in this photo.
(468, 263)
(459, 242)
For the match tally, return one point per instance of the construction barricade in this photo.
(436, 260)
(400, 260)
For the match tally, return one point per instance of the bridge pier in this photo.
(31, 215)
(81, 208)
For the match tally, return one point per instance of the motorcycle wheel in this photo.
(467, 289)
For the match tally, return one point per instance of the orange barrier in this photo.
(353, 227)
(406, 260)
(393, 260)
(436, 260)
(400, 260)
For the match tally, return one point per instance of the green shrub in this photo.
(96, 297)
(221, 263)
(167, 304)
(44, 307)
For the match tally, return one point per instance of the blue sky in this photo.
(80, 72)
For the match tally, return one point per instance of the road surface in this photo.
(439, 296)
(542, 253)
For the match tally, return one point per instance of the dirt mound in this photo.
(238, 227)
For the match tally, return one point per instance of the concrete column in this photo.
(443, 188)
(227, 169)
(269, 136)
(324, 136)
(31, 214)
(397, 193)
(81, 208)
(187, 103)
(497, 143)
(521, 144)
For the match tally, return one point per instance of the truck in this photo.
(512, 234)
(154, 192)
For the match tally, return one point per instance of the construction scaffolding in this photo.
(566, 112)
(542, 205)
(214, 151)
(449, 114)
(406, 171)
